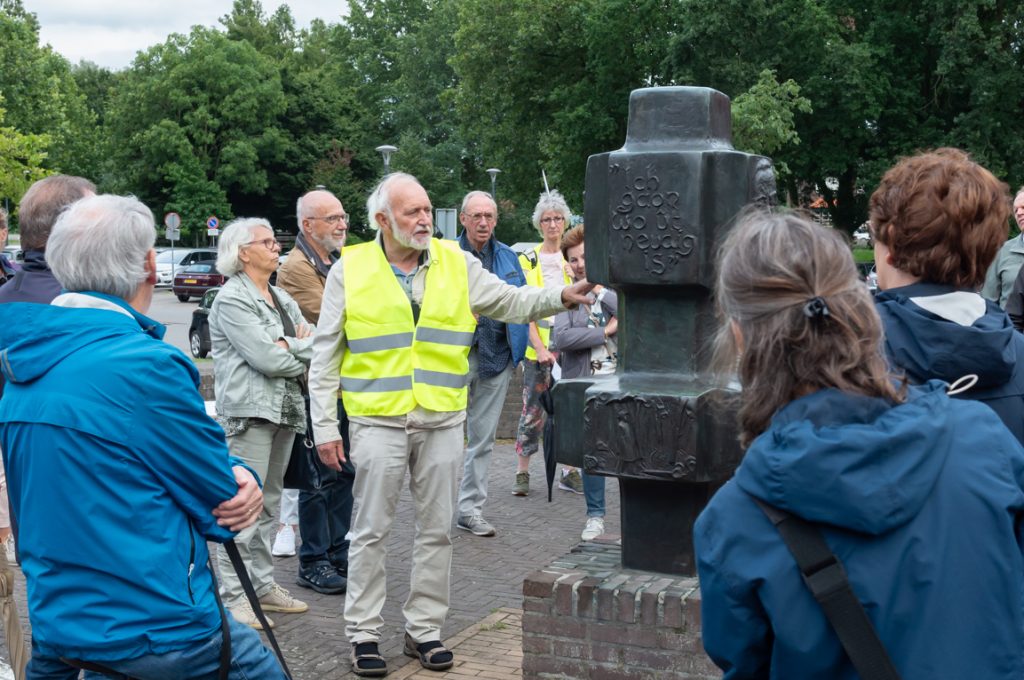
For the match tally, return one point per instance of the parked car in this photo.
(14, 254)
(862, 237)
(169, 262)
(196, 279)
(199, 330)
(867, 273)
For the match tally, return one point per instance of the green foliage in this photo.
(41, 95)
(21, 159)
(763, 117)
(243, 120)
(196, 121)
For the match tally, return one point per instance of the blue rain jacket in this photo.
(936, 332)
(113, 470)
(922, 502)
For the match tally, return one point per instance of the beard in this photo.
(328, 242)
(410, 241)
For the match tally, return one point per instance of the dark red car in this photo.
(196, 279)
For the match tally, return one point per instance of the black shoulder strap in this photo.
(826, 578)
(250, 593)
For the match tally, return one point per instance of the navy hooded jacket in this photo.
(113, 469)
(938, 332)
(922, 502)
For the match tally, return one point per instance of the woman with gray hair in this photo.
(261, 347)
(544, 267)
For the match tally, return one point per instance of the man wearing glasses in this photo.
(497, 349)
(325, 513)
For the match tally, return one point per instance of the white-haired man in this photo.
(117, 477)
(325, 513)
(396, 327)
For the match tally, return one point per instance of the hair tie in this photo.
(816, 309)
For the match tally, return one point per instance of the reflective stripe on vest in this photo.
(535, 278)
(391, 365)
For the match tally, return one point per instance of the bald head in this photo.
(322, 220)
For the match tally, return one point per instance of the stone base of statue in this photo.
(587, 617)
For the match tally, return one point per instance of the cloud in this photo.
(110, 32)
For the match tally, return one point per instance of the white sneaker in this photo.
(594, 528)
(284, 543)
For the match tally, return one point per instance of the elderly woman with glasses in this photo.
(261, 347)
(544, 267)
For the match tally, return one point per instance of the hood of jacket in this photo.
(860, 463)
(36, 337)
(960, 333)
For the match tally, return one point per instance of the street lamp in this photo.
(385, 150)
(493, 172)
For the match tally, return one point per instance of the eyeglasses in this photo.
(332, 219)
(487, 217)
(552, 220)
(268, 243)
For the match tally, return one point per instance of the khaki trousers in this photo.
(381, 456)
(266, 448)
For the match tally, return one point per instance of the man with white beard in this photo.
(396, 327)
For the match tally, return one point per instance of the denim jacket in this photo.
(252, 371)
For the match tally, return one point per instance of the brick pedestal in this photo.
(585, 617)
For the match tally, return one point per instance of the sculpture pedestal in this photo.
(586, 617)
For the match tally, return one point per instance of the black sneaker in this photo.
(323, 578)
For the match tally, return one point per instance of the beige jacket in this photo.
(300, 278)
(488, 295)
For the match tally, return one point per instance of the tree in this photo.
(41, 94)
(558, 89)
(21, 160)
(763, 117)
(196, 120)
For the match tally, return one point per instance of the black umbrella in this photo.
(547, 402)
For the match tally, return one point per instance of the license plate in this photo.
(190, 280)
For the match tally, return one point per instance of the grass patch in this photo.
(863, 255)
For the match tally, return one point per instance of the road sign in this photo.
(213, 232)
(212, 222)
(172, 220)
(172, 234)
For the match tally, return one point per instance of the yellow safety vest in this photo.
(534, 277)
(392, 364)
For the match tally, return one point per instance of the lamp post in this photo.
(385, 150)
(493, 172)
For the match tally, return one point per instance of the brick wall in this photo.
(586, 617)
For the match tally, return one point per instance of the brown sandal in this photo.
(427, 652)
(363, 652)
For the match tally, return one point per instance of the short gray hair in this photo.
(42, 204)
(100, 243)
(551, 200)
(380, 198)
(474, 194)
(237, 234)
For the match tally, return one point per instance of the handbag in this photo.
(305, 472)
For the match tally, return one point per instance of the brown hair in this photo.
(43, 203)
(3, 218)
(571, 239)
(942, 216)
(807, 322)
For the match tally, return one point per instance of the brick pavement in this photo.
(487, 576)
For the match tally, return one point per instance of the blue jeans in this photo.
(325, 514)
(249, 659)
(593, 493)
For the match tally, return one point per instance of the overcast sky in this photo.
(110, 32)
